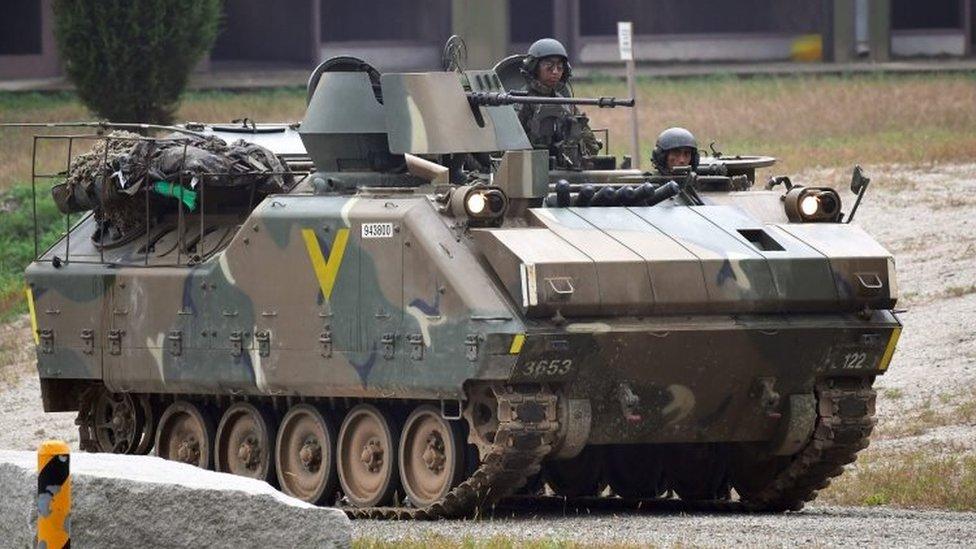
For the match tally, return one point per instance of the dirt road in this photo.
(816, 527)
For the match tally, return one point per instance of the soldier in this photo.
(560, 128)
(675, 147)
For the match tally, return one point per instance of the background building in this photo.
(399, 35)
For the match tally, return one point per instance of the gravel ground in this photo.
(929, 224)
(926, 217)
(818, 527)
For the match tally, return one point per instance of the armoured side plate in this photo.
(428, 113)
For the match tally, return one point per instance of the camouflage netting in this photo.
(137, 174)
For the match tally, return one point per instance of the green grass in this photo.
(17, 241)
(807, 121)
(894, 393)
(955, 409)
(919, 478)
(935, 475)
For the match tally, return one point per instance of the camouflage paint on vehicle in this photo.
(719, 322)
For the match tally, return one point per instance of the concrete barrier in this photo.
(120, 500)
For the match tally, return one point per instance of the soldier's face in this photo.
(551, 70)
(679, 157)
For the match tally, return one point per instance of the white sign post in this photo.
(625, 39)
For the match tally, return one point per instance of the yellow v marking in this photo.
(326, 271)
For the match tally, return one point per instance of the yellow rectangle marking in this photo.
(890, 349)
(326, 272)
(33, 315)
(517, 342)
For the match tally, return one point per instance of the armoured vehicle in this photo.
(429, 317)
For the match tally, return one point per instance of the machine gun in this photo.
(556, 125)
(494, 99)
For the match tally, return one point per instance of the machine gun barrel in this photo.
(493, 99)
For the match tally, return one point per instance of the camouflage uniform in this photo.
(562, 129)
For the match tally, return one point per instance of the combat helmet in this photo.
(674, 138)
(542, 48)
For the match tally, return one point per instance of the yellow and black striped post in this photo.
(53, 495)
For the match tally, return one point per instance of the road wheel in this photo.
(366, 450)
(431, 456)
(186, 434)
(305, 455)
(580, 476)
(635, 471)
(150, 414)
(118, 422)
(245, 442)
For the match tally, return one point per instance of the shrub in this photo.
(130, 59)
(17, 241)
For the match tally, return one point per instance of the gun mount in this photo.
(491, 99)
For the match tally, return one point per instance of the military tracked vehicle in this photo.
(425, 317)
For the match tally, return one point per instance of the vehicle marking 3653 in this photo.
(546, 367)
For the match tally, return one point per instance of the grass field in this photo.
(805, 121)
(922, 478)
(17, 241)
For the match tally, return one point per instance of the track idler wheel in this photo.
(580, 476)
(117, 421)
(367, 456)
(635, 471)
(245, 442)
(186, 434)
(305, 455)
(431, 456)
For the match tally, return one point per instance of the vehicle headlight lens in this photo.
(476, 204)
(480, 204)
(809, 205)
(812, 204)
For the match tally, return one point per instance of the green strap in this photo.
(188, 197)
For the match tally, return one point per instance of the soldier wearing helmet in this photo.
(561, 129)
(675, 147)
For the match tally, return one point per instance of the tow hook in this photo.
(629, 402)
(768, 397)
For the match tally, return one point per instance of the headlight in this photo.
(481, 204)
(475, 204)
(809, 205)
(812, 204)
